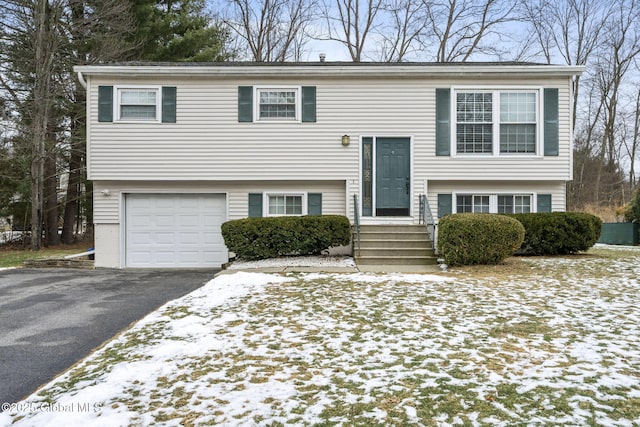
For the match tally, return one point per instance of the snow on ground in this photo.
(298, 261)
(617, 247)
(8, 236)
(554, 344)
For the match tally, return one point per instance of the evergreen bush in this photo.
(558, 233)
(473, 238)
(260, 238)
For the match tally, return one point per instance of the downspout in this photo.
(83, 82)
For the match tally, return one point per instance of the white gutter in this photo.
(83, 82)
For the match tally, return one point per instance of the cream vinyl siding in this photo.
(556, 189)
(107, 210)
(207, 142)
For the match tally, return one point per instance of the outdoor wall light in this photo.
(105, 193)
(346, 140)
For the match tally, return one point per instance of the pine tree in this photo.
(177, 30)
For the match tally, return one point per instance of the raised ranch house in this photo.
(174, 150)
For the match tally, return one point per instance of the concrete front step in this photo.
(391, 244)
(389, 228)
(396, 235)
(381, 251)
(396, 260)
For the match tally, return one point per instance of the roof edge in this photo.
(327, 69)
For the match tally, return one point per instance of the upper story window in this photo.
(278, 104)
(496, 122)
(275, 104)
(144, 104)
(474, 117)
(138, 104)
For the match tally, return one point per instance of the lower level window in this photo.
(514, 204)
(503, 203)
(470, 203)
(285, 205)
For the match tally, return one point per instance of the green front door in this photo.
(393, 176)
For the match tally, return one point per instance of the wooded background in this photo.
(43, 185)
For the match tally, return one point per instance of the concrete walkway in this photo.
(415, 269)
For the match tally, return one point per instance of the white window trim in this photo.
(265, 202)
(116, 103)
(495, 90)
(493, 199)
(256, 103)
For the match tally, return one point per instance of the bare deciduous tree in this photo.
(404, 25)
(272, 30)
(351, 23)
(567, 29)
(461, 27)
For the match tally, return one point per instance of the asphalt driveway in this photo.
(51, 318)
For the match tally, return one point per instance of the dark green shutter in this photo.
(105, 103)
(443, 122)
(308, 103)
(444, 204)
(551, 130)
(314, 204)
(168, 104)
(245, 103)
(544, 203)
(255, 205)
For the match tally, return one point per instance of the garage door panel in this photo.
(212, 239)
(140, 221)
(189, 239)
(213, 221)
(190, 221)
(175, 230)
(140, 238)
(191, 202)
(164, 220)
(167, 238)
(164, 203)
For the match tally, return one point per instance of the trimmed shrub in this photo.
(259, 238)
(558, 233)
(473, 238)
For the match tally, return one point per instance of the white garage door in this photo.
(175, 230)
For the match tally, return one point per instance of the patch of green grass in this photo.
(15, 258)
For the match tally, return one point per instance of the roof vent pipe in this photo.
(322, 57)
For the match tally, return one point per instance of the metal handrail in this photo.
(426, 218)
(356, 215)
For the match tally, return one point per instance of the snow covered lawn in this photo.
(539, 341)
